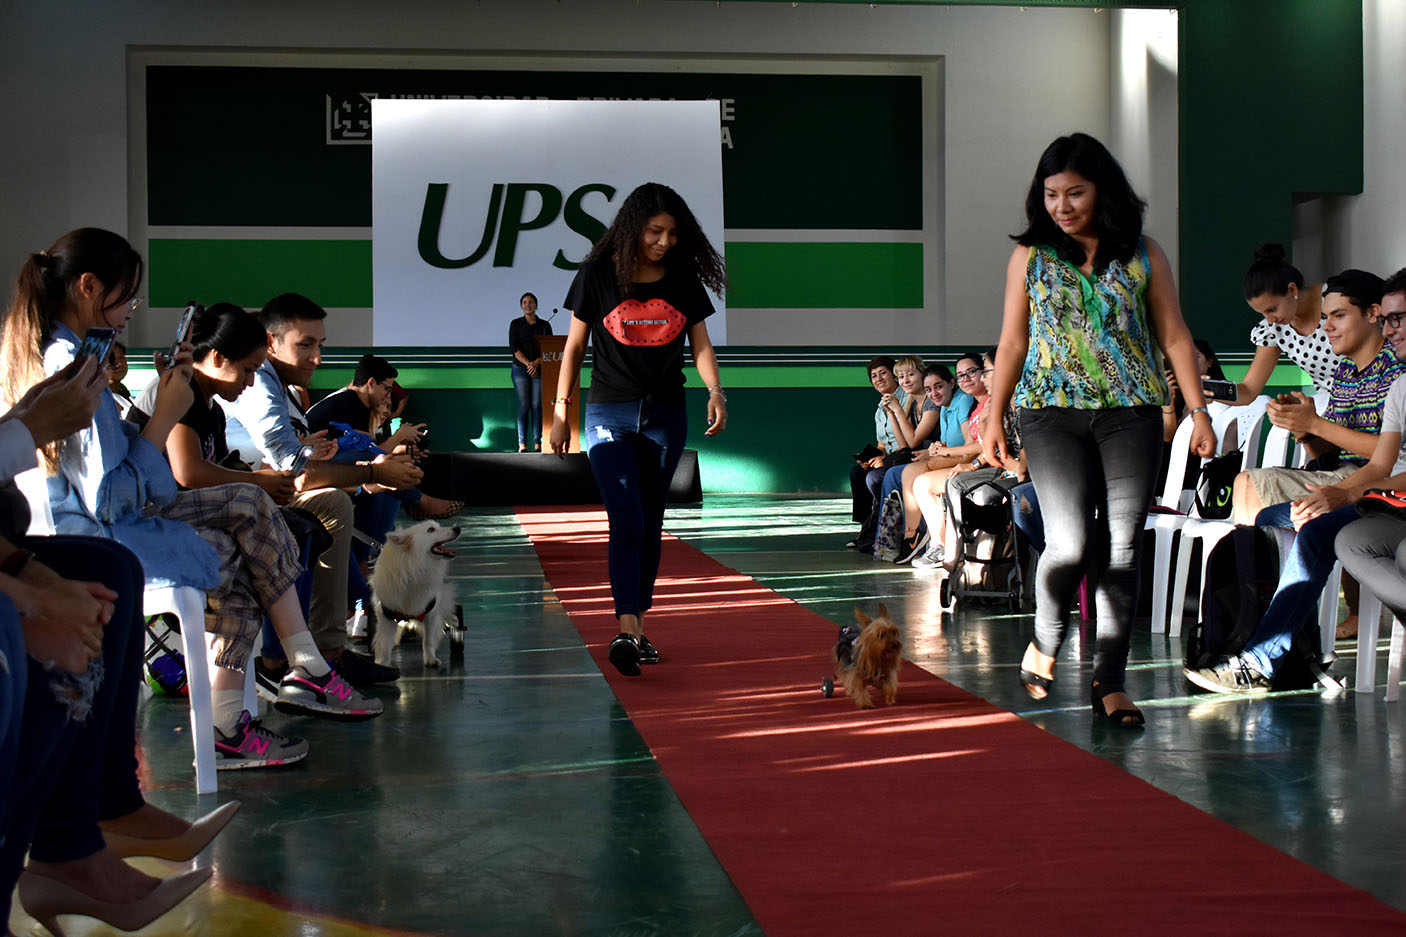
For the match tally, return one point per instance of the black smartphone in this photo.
(1219, 390)
(183, 329)
(96, 343)
(300, 461)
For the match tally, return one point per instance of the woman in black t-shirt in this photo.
(641, 289)
(527, 372)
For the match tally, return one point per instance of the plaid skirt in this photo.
(258, 561)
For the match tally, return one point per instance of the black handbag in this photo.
(1215, 485)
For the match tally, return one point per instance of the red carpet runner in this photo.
(940, 815)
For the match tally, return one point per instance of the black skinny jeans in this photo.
(68, 774)
(1093, 472)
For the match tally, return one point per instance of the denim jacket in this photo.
(112, 482)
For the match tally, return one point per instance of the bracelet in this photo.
(717, 392)
(370, 474)
(15, 563)
(557, 400)
(1195, 410)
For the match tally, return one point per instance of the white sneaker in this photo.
(931, 559)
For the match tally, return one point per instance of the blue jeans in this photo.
(1094, 471)
(1027, 515)
(529, 406)
(1301, 582)
(634, 448)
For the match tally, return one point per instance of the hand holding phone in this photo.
(96, 343)
(1220, 390)
(183, 330)
(300, 461)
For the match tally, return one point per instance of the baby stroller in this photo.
(987, 563)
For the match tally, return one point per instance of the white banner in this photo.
(477, 202)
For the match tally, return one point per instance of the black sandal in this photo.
(625, 654)
(1119, 717)
(1033, 681)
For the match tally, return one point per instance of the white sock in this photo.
(302, 652)
(227, 705)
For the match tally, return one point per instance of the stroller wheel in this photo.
(1017, 605)
(944, 592)
(827, 686)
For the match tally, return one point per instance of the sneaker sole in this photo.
(244, 764)
(268, 694)
(1215, 687)
(324, 711)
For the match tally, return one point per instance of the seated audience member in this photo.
(400, 399)
(111, 480)
(944, 418)
(1208, 366)
(919, 415)
(356, 406)
(924, 481)
(72, 652)
(116, 374)
(1322, 517)
(1292, 323)
(966, 475)
(1344, 437)
(866, 476)
(277, 424)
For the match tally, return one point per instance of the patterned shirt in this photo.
(1091, 346)
(1356, 398)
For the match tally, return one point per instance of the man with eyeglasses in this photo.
(1368, 547)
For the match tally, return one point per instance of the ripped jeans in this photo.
(634, 448)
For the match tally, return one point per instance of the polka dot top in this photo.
(1312, 352)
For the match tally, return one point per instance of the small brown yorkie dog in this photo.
(869, 656)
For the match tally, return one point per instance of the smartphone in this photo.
(183, 329)
(300, 461)
(1220, 390)
(96, 343)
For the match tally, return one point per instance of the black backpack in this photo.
(1215, 485)
(1241, 577)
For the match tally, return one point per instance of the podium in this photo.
(552, 347)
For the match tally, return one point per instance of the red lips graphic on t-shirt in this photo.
(640, 324)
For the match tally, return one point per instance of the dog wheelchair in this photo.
(844, 651)
(989, 556)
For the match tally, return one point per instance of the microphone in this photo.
(553, 315)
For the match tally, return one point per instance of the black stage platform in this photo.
(507, 478)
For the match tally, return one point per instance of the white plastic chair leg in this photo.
(1162, 556)
(188, 605)
(1393, 669)
(1328, 610)
(1369, 616)
(1177, 599)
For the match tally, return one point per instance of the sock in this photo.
(302, 652)
(227, 705)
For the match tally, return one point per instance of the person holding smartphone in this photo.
(641, 291)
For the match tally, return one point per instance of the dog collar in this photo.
(394, 615)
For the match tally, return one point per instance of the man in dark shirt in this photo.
(354, 406)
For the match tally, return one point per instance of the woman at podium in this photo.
(527, 372)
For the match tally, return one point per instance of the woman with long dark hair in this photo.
(1090, 309)
(527, 372)
(641, 290)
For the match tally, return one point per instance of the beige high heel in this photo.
(44, 899)
(180, 848)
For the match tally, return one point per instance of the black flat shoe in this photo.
(1119, 718)
(649, 654)
(625, 654)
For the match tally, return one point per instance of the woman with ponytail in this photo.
(1292, 323)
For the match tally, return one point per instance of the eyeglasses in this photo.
(1394, 319)
(969, 374)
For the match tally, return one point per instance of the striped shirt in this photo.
(1356, 397)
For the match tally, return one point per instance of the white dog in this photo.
(409, 591)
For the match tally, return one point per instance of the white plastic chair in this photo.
(1369, 616)
(1209, 531)
(1164, 526)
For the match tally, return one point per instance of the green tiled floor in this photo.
(508, 794)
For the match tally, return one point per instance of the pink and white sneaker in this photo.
(253, 746)
(327, 696)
